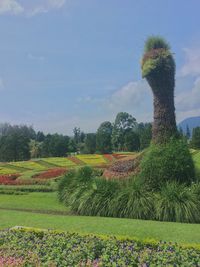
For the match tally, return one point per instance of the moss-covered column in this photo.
(158, 67)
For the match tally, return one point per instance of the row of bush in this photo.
(22, 189)
(28, 247)
(86, 193)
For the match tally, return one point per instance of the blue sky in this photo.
(67, 63)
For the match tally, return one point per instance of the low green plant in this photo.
(52, 248)
(177, 202)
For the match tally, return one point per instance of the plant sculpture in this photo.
(168, 158)
(158, 67)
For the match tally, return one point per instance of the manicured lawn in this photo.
(32, 201)
(175, 232)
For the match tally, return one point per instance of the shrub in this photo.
(167, 162)
(134, 201)
(64, 186)
(96, 199)
(178, 203)
(84, 174)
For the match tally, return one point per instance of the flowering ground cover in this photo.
(51, 173)
(93, 159)
(60, 162)
(5, 171)
(9, 179)
(30, 165)
(50, 248)
(109, 157)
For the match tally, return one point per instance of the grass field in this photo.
(175, 232)
(37, 201)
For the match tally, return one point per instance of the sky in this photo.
(67, 63)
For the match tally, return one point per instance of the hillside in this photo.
(192, 122)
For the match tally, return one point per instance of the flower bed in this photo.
(50, 248)
(11, 261)
(9, 179)
(92, 159)
(76, 161)
(52, 173)
(60, 162)
(109, 158)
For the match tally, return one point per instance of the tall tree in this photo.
(124, 123)
(144, 130)
(90, 143)
(14, 143)
(55, 145)
(103, 138)
(132, 141)
(188, 132)
(77, 135)
(158, 67)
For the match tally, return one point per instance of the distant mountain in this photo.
(192, 122)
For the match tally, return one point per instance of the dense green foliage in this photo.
(86, 194)
(54, 145)
(167, 162)
(90, 143)
(155, 42)
(144, 131)
(178, 203)
(132, 141)
(124, 123)
(14, 142)
(195, 142)
(103, 138)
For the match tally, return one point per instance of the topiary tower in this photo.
(168, 158)
(158, 67)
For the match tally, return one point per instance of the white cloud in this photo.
(34, 57)
(56, 3)
(188, 102)
(2, 86)
(30, 8)
(10, 7)
(37, 10)
(130, 95)
(192, 64)
(44, 6)
(134, 97)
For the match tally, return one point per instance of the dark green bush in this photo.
(84, 174)
(96, 200)
(134, 201)
(178, 203)
(65, 184)
(132, 198)
(167, 162)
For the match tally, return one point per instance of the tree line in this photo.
(22, 142)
